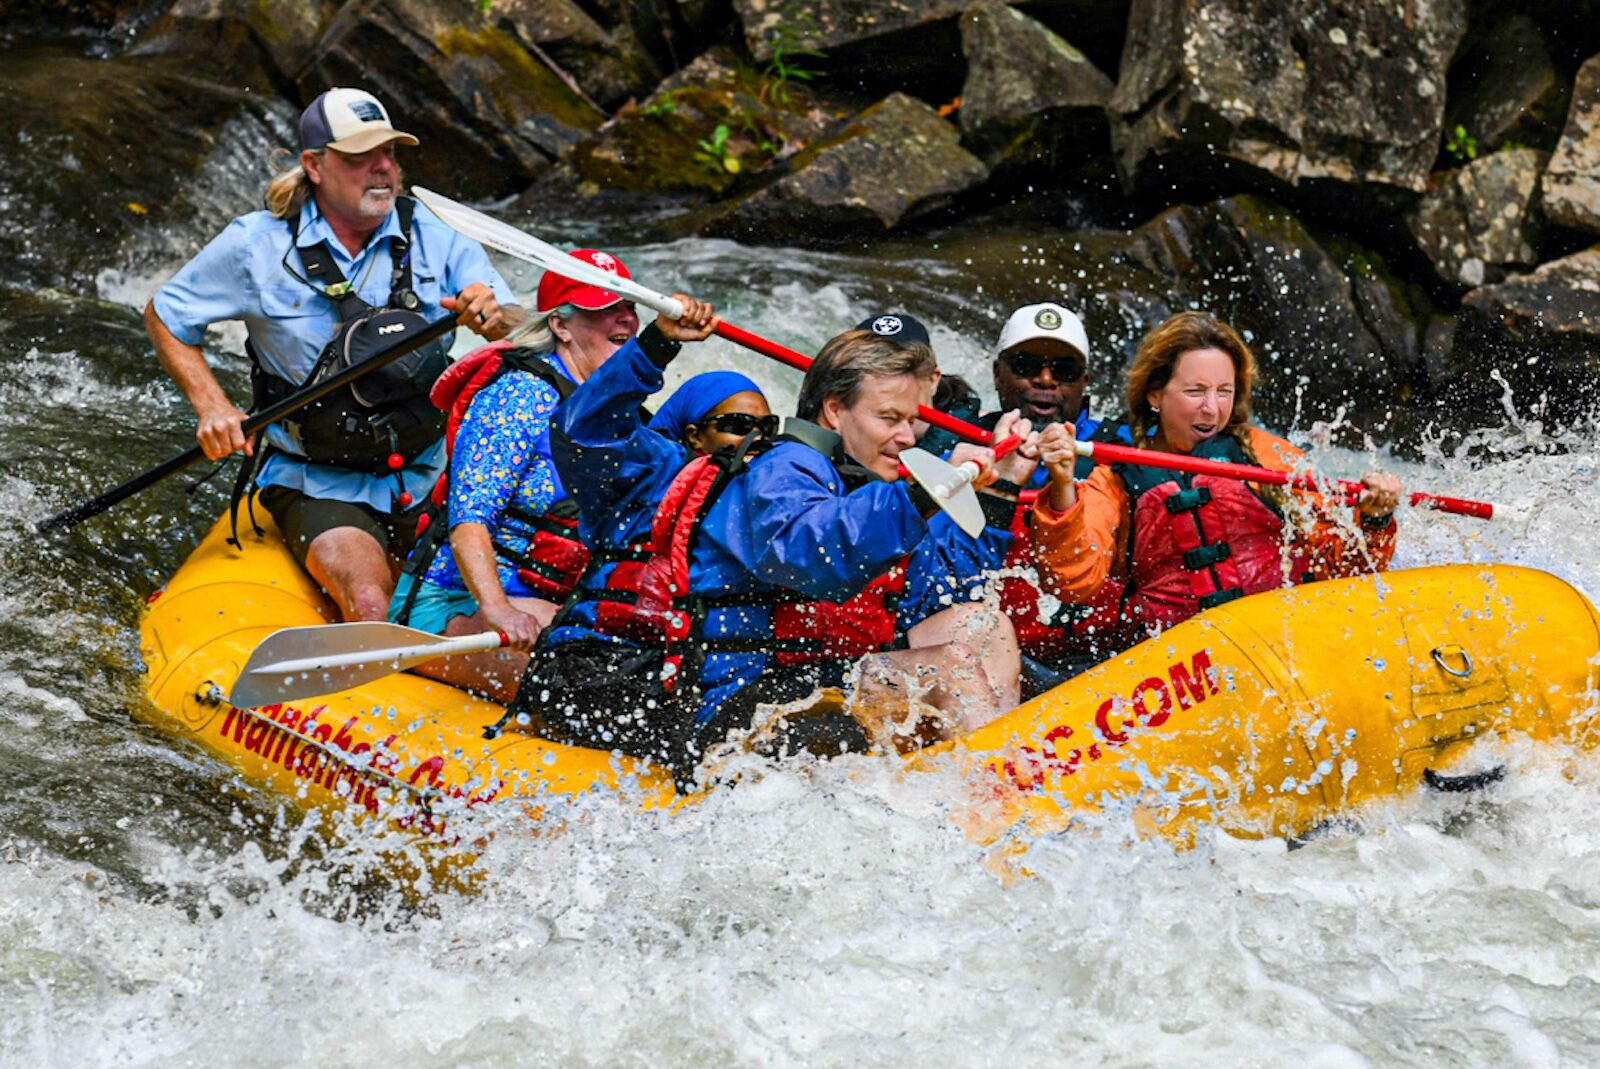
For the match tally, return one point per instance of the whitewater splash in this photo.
(156, 911)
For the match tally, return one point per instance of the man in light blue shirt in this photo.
(349, 527)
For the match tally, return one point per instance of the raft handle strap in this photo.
(1472, 781)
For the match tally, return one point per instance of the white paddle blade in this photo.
(950, 488)
(523, 246)
(304, 662)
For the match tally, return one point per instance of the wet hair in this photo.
(1159, 353)
(847, 359)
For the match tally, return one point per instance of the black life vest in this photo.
(645, 598)
(380, 416)
(555, 558)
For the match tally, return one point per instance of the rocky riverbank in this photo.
(1400, 200)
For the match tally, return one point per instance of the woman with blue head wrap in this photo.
(714, 410)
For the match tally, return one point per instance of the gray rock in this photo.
(1539, 332)
(1298, 89)
(821, 24)
(489, 115)
(128, 161)
(1572, 181)
(1029, 95)
(1482, 221)
(657, 148)
(240, 42)
(607, 70)
(1505, 87)
(895, 161)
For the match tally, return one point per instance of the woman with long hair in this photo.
(1169, 544)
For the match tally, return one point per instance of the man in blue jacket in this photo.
(337, 239)
(769, 572)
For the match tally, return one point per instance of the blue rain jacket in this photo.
(785, 523)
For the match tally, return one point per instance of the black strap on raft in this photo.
(427, 548)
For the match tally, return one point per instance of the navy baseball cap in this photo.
(897, 327)
(348, 120)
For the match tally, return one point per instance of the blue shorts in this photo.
(434, 607)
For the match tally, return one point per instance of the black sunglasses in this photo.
(742, 423)
(1062, 368)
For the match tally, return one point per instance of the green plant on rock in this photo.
(719, 151)
(1462, 145)
(789, 52)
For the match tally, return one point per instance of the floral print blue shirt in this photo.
(501, 458)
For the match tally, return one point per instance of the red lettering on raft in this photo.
(311, 751)
(1150, 705)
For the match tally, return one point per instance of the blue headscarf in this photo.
(697, 396)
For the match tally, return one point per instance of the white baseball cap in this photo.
(1044, 321)
(348, 120)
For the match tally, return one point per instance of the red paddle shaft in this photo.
(1110, 453)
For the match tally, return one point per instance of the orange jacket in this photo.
(1079, 549)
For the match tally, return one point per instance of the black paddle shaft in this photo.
(294, 402)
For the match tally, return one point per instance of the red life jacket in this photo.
(646, 598)
(1201, 541)
(555, 558)
(1071, 630)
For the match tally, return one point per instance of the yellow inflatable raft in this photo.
(1266, 716)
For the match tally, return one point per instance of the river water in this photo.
(154, 910)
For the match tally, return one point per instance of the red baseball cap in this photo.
(557, 289)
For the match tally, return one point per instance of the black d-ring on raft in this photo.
(1440, 652)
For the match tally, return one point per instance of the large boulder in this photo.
(106, 156)
(1540, 333)
(489, 115)
(1572, 180)
(1505, 87)
(1482, 222)
(771, 26)
(1336, 333)
(1296, 89)
(893, 162)
(238, 42)
(670, 145)
(1029, 97)
(608, 70)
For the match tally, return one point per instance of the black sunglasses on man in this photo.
(1028, 365)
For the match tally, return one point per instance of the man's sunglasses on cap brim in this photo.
(742, 423)
(1028, 365)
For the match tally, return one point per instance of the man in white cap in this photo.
(346, 478)
(1042, 368)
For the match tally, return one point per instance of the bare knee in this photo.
(354, 569)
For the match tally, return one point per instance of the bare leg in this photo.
(963, 670)
(355, 571)
(494, 673)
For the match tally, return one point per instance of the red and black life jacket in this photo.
(554, 559)
(1072, 632)
(1201, 540)
(646, 600)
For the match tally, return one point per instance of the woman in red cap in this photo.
(501, 552)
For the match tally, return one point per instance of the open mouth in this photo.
(1037, 408)
(619, 339)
